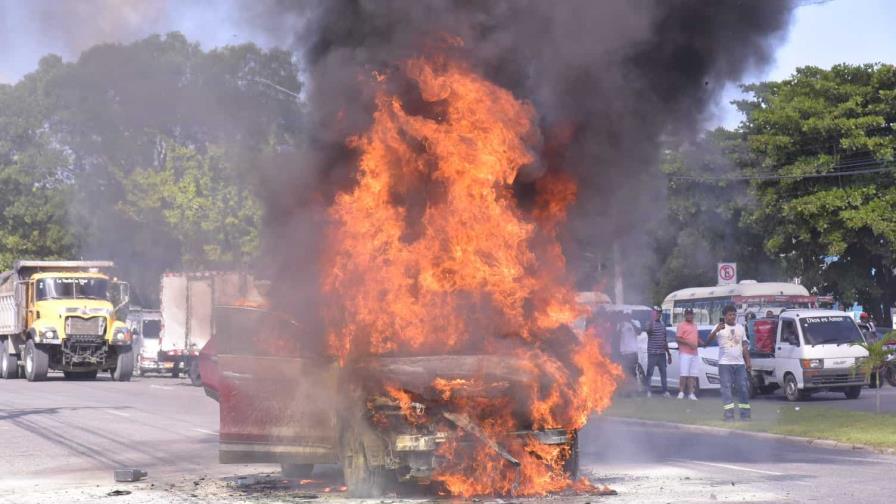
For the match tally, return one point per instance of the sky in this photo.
(821, 34)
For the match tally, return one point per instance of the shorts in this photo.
(688, 364)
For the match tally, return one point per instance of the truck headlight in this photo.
(121, 335)
(812, 363)
(860, 361)
(710, 362)
(49, 333)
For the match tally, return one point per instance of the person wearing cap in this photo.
(686, 336)
(658, 354)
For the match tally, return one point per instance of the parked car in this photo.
(708, 374)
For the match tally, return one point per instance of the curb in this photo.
(721, 431)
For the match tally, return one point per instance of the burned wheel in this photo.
(571, 466)
(361, 477)
(296, 471)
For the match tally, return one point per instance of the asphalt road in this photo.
(61, 441)
(865, 402)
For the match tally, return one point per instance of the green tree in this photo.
(88, 140)
(34, 189)
(837, 233)
(704, 213)
(205, 202)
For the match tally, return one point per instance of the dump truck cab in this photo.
(61, 315)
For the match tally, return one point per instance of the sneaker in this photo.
(649, 394)
(667, 395)
(681, 395)
(692, 397)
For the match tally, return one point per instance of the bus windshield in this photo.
(71, 288)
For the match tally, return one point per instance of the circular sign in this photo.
(726, 272)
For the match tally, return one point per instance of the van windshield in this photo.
(828, 330)
(151, 329)
(71, 288)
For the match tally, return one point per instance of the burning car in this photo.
(387, 420)
(441, 352)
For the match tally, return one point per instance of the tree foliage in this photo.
(143, 153)
(836, 233)
(755, 195)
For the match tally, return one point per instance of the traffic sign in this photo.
(727, 273)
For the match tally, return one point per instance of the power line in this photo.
(849, 173)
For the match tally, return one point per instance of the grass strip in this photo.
(791, 419)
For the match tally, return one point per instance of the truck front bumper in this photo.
(830, 378)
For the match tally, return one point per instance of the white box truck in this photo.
(187, 301)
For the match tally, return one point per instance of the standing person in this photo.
(628, 348)
(687, 337)
(734, 363)
(658, 354)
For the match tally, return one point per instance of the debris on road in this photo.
(118, 493)
(129, 475)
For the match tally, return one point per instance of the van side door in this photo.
(787, 350)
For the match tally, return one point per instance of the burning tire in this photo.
(571, 466)
(362, 477)
(9, 365)
(37, 362)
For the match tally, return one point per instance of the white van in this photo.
(812, 351)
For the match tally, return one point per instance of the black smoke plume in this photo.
(609, 78)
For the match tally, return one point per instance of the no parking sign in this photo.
(727, 273)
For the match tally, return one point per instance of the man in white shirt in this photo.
(734, 364)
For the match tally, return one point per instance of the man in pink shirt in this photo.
(686, 335)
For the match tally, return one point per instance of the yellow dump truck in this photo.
(61, 315)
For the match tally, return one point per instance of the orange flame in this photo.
(431, 253)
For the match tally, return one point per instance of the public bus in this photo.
(749, 296)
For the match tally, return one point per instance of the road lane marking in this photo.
(161, 387)
(728, 466)
(205, 431)
(119, 413)
(860, 459)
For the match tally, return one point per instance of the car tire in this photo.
(890, 374)
(296, 471)
(9, 364)
(791, 389)
(853, 392)
(175, 370)
(362, 479)
(124, 368)
(195, 377)
(872, 382)
(37, 362)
